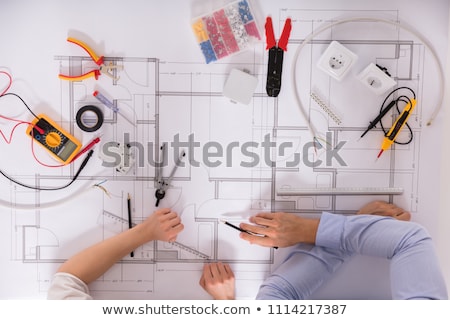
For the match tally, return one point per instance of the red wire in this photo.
(8, 141)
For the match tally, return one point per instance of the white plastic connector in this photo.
(337, 60)
(240, 86)
(376, 80)
(117, 151)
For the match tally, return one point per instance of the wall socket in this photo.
(337, 60)
(376, 80)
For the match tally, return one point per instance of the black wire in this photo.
(24, 103)
(404, 99)
(83, 164)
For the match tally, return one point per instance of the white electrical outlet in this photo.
(337, 60)
(376, 80)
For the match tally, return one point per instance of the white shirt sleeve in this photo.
(66, 286)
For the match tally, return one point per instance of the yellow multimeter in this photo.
(61, 144)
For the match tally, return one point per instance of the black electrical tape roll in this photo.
(89, 126)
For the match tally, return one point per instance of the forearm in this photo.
(92, 262)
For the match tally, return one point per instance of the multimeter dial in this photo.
(53, 139)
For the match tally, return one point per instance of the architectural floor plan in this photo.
(238, 157)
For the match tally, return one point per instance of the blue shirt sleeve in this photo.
(414, 267)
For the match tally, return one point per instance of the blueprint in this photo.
(238, 157)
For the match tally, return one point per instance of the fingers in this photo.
(256, 229)
(218, 280)
(260, 240)
(166, 214)
(262, 222)
(206, 276)
(382, 208)
(170, 223)
(216, 273)
(263, 219)
(404, 216)
(162, 211)
(168, 217)
(228, 270)
(174, 231)
(263, 231)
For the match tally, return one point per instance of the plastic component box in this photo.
(226, 31)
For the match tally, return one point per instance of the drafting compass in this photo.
(276, 52)
(163, 184)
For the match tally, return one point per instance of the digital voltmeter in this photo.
(61, 144)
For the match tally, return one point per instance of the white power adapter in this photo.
(115, 151)
(240, 86)
(337, 60)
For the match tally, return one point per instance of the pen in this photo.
(397, 126)
(105, 101)
(110, 105)
(130, 223)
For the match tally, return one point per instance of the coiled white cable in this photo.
(34, 206)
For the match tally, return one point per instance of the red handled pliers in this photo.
(99, 60)
(276, 52)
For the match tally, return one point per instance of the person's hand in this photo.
(163, 224)
(381, 208)
(279, 229)
(218, 280)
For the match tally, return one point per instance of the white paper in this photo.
(168, 92)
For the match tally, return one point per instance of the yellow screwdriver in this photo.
(389, 138)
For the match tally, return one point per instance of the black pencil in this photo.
(130, 223)
(236, 227)
(241, 230)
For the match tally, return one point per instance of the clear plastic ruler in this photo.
(118, 224)
(343, 191)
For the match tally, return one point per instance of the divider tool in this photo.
(161, 183)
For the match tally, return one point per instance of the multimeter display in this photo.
(54, 139)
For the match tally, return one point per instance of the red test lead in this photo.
(87, 148)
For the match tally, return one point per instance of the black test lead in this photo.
(374, 122)
(384, 110)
